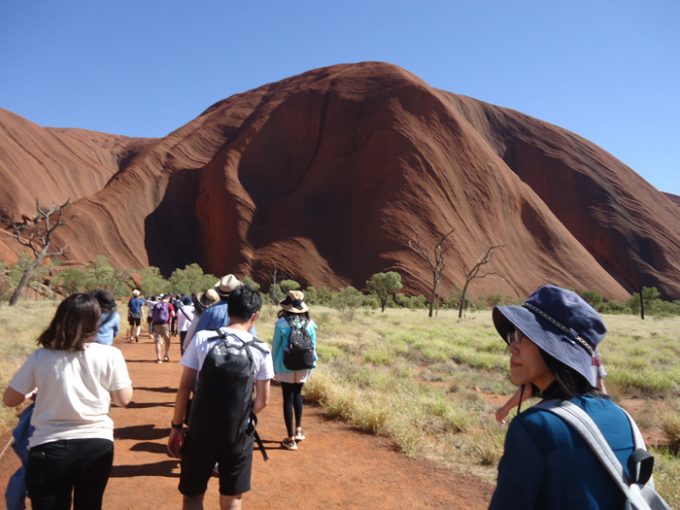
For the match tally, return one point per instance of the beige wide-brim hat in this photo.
(207, 298)
(136, 293)
(227, 284)
(293, 303)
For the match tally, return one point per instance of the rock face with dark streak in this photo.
(326, 175)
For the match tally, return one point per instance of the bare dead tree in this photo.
(37, 234)
(435, 262)
(474, 273)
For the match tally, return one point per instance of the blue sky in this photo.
(608, 70)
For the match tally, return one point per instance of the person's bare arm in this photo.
(186, 386)
(503, 411)
(12, 398)
(122, 397)
(261, 395)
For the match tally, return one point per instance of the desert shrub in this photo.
(593, 299)
(288, 285)
(190, 279)
(275, 293)
(247, 280)
(152, 282)
(72, 280)
(347, 301)
(615, 307)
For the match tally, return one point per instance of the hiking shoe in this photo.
(166, 358)
(299, 435)
(289, 444)
(159, 361)
(137, 339)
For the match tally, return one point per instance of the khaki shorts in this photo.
(161, 332)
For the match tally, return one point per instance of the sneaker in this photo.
(137, 339)
(289, 444)
(159, 361)
(166, 358)
(299, 435)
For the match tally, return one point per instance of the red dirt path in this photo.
(335, 467)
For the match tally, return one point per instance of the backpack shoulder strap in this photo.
(258, 344)
(579, 420)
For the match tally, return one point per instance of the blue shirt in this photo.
(546, 463)
(280, 341)
(109, 325)
(135, 306)
(216, 317)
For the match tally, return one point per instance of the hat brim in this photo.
(292, 309)
(545, 335)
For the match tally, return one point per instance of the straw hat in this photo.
(293, 303)
(207, 298)
(227, 284)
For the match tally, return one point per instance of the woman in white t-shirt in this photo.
(71, 449)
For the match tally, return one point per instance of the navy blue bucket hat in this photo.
(560, 323)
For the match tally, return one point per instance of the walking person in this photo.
(185, 316)
(150, 302)
(134, 317)
(222, 368)
(109, 320)
(161, 314)
(292, 367)
(71, 448)
(546, 463)
(201, 301)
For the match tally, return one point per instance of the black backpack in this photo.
(299, 353)
(222, 403)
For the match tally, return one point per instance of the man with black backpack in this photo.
(221, 368)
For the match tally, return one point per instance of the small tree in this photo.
(247, 280)
(152, 282)
(436, 262)
(347, 301)
(37, 234)
(275, 293)
(288, 285)
(190, 279)
(474, 273)
(384, 286)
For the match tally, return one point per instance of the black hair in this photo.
(243, 302)
(105, 298)
(75, 323)
(284, 314)
(568, 382)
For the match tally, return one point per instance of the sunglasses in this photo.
(514, 337)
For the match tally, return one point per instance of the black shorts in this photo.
(199, 458)
(134, 320)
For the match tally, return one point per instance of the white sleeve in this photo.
(266, 369)
(190, 357)
(119, 373)
(24, 380)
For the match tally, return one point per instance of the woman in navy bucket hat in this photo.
(551, 339)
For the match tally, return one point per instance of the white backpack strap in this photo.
(589, 431)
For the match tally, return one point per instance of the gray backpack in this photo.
(640, 492)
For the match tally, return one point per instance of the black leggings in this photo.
(292, 401)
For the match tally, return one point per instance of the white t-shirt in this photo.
(73, 391)
(200, 346)
(185, 316)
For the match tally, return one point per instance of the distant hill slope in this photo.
(325, 175)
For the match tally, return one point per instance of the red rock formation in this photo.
(324, 176)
